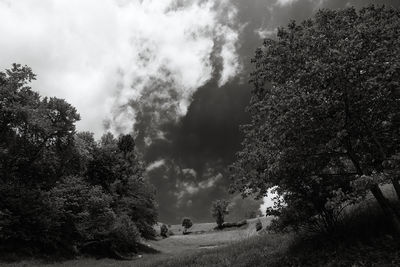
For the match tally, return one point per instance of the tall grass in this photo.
(254, 251)
(362, 238)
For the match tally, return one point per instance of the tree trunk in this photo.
(396, 186)
(387, 209)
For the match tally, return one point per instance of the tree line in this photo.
(61, 191)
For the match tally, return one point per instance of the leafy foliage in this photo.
(323, 115)
(61, 191)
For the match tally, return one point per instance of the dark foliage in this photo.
(61, 192)
(186, 223)
(323, 131)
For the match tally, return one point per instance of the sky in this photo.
(174, 73)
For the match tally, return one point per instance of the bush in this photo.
(187, 223)
(232, 224)
(164, 231)
(25, 215)
(124, 235)
(84, 211)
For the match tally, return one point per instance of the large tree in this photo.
(324, 112)
(36, 135)
(116, 167)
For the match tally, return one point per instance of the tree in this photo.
(36, 133)
(186, 223)
(324, 111)
(36, 136)
(219, 209)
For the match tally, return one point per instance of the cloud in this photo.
(102, 56)
(187, 189)
(192, 172)
(285, 2)
(265, 33)
(156, 164)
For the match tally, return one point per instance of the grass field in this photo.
(246, 247)
(204, 240)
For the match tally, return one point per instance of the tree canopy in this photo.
(324, 113)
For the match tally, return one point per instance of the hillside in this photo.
(178, 245)
(246, 247)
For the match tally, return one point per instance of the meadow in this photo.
(365, 241)
(204, 240)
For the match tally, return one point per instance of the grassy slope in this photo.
(277, 250)
(254, 251)
(171, 247)
(273, 250)
(245, 247)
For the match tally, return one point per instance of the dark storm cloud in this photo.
(205, 140)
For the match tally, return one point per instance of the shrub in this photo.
(25, 214)
(187, 223)
(124, 235)
(164, 231)
(85, 213)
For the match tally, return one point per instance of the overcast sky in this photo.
(174, 72)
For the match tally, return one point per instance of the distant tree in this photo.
(187, 223)
(219, 209)
(324, 114)
(164, 231)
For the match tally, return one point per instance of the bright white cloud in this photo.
(100, 55)
(265, 33)
(156, 164)
(285, 2)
